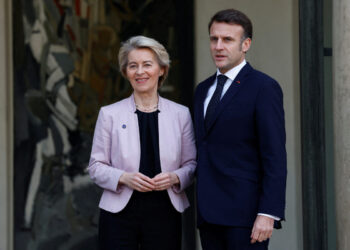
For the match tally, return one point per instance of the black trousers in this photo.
(148, 222)
(217, 237)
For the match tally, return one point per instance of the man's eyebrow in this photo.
(227, 36)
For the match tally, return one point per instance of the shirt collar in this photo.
(232, 73)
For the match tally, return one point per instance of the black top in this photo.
(148, 126)
(149, 160)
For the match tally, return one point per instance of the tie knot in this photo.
(221, 80)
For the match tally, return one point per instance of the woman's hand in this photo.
(137, 181)
(164, 181)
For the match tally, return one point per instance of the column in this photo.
(341, 99)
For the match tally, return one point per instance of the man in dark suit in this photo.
(239, 126)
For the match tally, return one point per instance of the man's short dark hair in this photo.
(233, 16)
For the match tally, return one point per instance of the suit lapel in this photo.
(231, 92)
(200, 104)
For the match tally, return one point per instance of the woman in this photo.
(143, 156)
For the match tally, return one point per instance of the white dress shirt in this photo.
(231, 75)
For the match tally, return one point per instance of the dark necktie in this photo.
(215, 100)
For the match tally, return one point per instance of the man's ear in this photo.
(246, 44)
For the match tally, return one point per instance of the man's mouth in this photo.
(219, 57)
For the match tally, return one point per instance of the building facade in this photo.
(305, 46)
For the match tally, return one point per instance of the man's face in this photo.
(226, 46)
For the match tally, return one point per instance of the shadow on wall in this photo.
(65, 62)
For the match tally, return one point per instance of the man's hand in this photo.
(137, 181)
(262, 229)
(164, 181)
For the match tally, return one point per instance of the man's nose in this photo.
(219, 45)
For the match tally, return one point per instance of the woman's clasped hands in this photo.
(143, 183)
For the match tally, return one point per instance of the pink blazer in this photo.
(116, 149)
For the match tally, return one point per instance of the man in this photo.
(239, 125)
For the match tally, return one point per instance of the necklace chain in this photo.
(146, 109)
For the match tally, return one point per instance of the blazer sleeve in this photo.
(188, 154)
(272, 139)
(100, 168)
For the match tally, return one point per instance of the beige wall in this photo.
(5, 127)
(274, 51)
(341, 112)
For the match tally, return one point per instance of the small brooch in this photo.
(123, 126)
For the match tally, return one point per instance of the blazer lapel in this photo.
(162, 127)
(231, 92)
(134, 136)
(200, 105)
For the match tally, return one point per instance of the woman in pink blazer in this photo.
(143, 156)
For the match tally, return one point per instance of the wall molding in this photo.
(6, 127)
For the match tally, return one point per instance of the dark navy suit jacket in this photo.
(241, 167)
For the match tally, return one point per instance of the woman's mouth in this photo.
(141, 80)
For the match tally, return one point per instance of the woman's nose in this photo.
(139, 70)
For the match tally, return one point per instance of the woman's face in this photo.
(143, 71)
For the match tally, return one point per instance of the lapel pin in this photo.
(238, 82)
(123, 126)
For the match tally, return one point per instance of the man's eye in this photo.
(213, 39)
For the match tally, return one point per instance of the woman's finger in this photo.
(163, 186)
(143, 184)
(163, 182)
(160, 177)
(146, 178)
